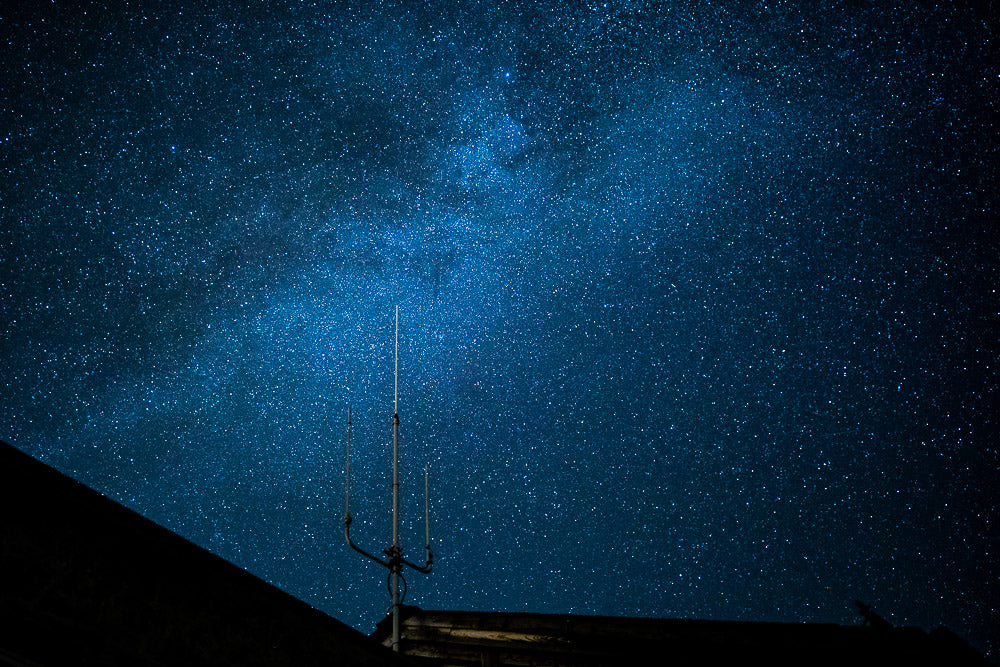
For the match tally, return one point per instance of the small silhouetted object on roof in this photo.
(870, 617)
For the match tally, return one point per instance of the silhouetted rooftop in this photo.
(470, 638)
(87, 581)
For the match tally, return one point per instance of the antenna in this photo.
(394, 560)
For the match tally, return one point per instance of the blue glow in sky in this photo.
(698, 303)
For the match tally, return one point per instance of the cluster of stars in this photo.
(697, 302)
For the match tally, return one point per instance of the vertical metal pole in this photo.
(395, 607)
(347, 486)
(427, 511)
(395, 442)
(394, 560)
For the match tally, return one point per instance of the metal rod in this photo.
(427, 511)
(350, 542)
(395, 607)
(347, 501)
(396, 552)
(347, 485)
(395, 443)
(395, 370)
(394, 561)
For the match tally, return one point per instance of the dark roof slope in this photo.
(84, 580)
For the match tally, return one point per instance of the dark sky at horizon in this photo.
(698, 303)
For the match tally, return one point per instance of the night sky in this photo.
(698, 309)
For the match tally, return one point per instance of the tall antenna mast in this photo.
(394, 560)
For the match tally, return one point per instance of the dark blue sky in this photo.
(698, 303)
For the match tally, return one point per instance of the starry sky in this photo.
(698, 310)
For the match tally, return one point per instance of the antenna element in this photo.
(394, 560)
